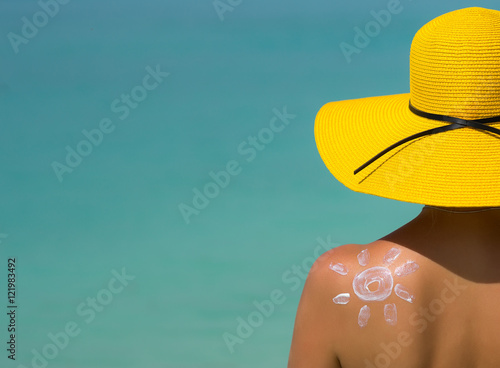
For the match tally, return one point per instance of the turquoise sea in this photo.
(148, 203)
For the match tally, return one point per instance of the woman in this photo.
(426, 295)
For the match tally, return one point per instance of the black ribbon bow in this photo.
(456, 123)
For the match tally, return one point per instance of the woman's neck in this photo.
(462, 210)
(464, 240)
(460, 223)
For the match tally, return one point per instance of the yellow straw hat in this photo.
(439, 144)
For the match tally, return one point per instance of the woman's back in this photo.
(426, 295)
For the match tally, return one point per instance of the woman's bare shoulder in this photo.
(376, 292)
(354, 257)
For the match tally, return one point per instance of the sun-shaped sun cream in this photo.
(375, 284)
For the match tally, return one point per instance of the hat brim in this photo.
(459, 168)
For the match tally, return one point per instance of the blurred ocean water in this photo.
(117, 210)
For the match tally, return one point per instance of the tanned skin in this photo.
(453, 322)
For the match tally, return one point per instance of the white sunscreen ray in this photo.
(391, 255)
(403, 293)
(391, 313)
(364, 257)
(406, 269)
(364, 316)
(339, 268)
(342, 298)
(380, 276)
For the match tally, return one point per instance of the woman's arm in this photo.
(318, 326)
